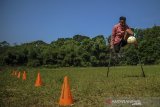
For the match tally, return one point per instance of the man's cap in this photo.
(122, 18)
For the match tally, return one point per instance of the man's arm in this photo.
(112, 37)
(128, 33)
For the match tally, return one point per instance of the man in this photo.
(120, 34)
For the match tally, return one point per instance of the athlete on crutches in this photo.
(120, 34)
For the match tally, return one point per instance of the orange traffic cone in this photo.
(66, 97)
(24, 75)
(19, 74)
(38, 80)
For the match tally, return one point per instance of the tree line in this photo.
(82, 51)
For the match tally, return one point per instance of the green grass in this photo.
(90, 87)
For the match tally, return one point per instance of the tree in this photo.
(4, 44)
(79, 38)
(82, 51)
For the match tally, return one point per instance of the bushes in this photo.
(81, 51)
(33, 63)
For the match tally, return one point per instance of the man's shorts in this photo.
(118, 46)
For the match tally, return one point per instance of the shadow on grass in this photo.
(133, 76)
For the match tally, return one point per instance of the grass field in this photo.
(90, 87)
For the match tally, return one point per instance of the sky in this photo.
(24, 21)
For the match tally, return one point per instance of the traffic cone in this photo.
(38, 80)
(66, 97)
(19, 75)
(24, 75)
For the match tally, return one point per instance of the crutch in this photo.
(110, 55)
(142, 71)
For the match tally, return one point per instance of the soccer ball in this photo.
(131, 39)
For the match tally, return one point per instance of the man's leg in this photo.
(116, 55)
(117, 47)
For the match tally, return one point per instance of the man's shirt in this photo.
(118, 32)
